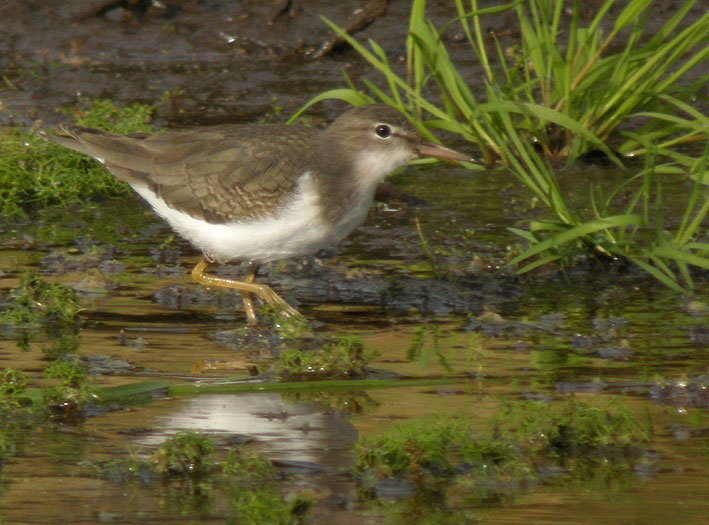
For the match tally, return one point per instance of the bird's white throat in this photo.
(371, 166)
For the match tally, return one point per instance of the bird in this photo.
(258, 193)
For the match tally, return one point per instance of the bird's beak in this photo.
(429, 149)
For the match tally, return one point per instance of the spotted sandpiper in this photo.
(260, 193)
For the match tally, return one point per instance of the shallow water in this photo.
(599, 332)
(594, 334)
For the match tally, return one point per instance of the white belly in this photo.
(298, 230)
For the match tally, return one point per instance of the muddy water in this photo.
(596, 333)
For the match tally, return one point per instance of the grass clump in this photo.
(184, 454)
(410, 447)
(288, 328)
(569, 428)
(183, 465)
(347, 358)
(428, 452)
(453, 458)
(104, 114)
(36, 301)
(13, 390)
(563, 90)
(247, 476)
(18, 413)
(35, 173)
(266, 505)
(72, 391)
(247, 468)
(36, 306)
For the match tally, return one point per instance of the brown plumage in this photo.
(219, 174)
(260, 192)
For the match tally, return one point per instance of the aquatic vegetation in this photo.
(586, 444)
(571, 427)
(182, 466)
(246, 468)
(563, 92)
(13, 390)
(638, 232)
(36, 300)
(427, 252)
(427, 451)
(185, 454)
(346, 358)
(425, 344)
(64, 340)
(104, 114)
(248, 477)
(292, 327)
(37, 306)
(73, 390)
(18, 414)
(35, 173)
(266, 505)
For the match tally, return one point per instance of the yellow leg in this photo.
(247, 297)
(247, 288)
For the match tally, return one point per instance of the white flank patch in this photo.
(298, 230)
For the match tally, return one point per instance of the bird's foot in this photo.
(247, 289)
(278, 305)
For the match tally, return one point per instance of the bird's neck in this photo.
(346, 187)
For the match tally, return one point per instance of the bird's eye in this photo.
(383, 131)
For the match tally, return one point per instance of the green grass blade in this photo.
(668, 280)
(547, 259)
(576, 233)
(351, 96)
(631, 13)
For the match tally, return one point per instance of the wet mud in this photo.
(220, 61)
